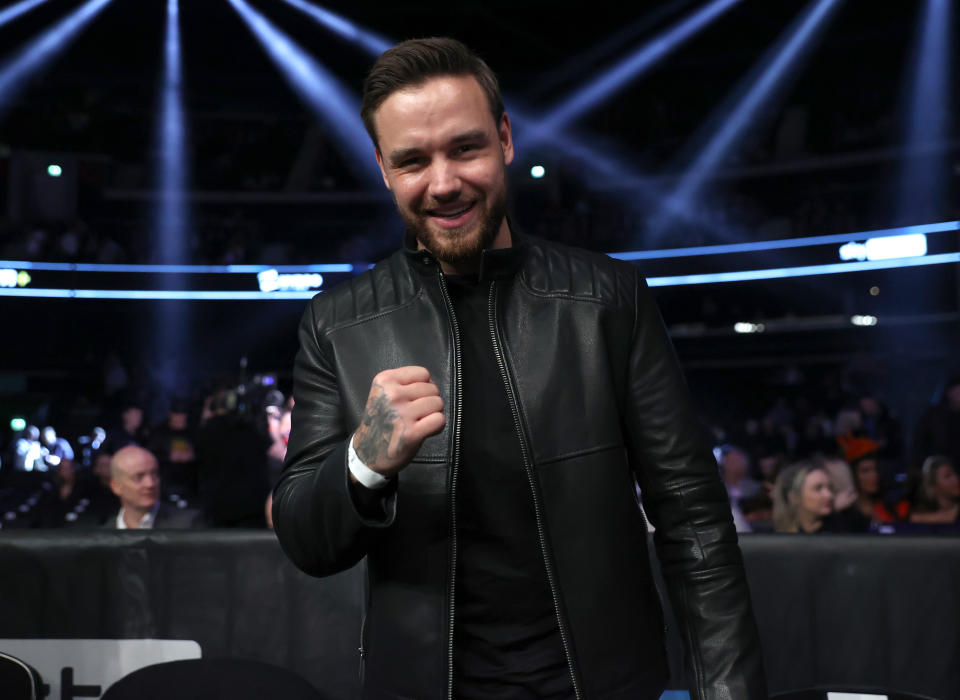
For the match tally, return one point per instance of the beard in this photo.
(459, 247)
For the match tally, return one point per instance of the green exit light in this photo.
(54, 170)
(18, 424)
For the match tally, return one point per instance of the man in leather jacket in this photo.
(472, 415)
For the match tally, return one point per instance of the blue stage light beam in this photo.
(374, 44)
(328, 99)
(639, 192)
(925, 178)
(171, 223)
(371, 42)
(604, 165)
(553, 77)
(601, 164)
(39, 52)
(11, 13)
(748, 99)
(628, 69)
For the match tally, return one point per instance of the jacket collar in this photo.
(494, 264)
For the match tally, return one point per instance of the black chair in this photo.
(212, 679)
(18, 680)
(821, 694)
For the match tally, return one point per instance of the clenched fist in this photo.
(404, 408)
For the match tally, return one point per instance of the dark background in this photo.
(825, 157)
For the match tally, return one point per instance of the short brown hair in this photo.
(411, 63)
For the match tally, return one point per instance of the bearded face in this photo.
(462, 245)
(444, 160)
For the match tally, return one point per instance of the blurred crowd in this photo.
(843, 465)
(209, 463)
(800, 468)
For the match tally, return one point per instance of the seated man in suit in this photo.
(135, 479)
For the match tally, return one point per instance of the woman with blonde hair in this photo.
(803, 501)
(939, 493)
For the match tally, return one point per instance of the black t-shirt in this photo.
(506, 641)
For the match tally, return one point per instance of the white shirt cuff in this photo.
(364, 474)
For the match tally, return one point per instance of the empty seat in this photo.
(212, 679)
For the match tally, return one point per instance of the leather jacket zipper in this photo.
(458, 412)
(362, 649)
(531, 477)
(363, 623)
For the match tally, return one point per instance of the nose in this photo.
(444, 181)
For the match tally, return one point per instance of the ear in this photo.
(383, 171)
(506, 139)
(114, 487)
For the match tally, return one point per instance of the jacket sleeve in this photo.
(324, 523)
(685, 500)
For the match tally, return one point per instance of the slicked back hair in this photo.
(411, 63)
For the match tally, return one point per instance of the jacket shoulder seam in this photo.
(598, 263)
(563, 295)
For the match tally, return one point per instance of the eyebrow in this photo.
(401, 154)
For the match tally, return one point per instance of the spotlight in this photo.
(874, 291)
(170, 212)
(14, 11)
(54, 170)
(333, 103)
(574, 65)
(886, 248)
(890, 247)
(41, 50)
(537, 172)
(923, 186)
(630, 68)
(575, 147)
(744, 327)
(739, 113)
(369, 41)
(859, 320)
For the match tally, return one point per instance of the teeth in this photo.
(452, 215)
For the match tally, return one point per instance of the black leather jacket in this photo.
(598, 400)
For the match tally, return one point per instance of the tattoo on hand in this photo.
(376, 432)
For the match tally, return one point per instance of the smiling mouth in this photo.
(452, 213)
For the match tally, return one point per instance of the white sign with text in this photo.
(85, 668)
